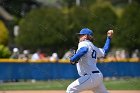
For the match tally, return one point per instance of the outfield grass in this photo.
(125, 84)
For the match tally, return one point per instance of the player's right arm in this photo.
(103, 51)
(108, 41)
(107, 45)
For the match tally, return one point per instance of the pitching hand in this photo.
(110, 33)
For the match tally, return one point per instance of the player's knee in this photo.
(71, 90)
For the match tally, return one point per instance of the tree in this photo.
(4, 52)
(79, 17)
(103, 19)
(69, 3)
(18, 7)
(129, 28)
(3, 34)
(42, 28)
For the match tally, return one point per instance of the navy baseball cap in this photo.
(85, 31)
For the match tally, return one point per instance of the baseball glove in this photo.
(72, 54)
(73, 63)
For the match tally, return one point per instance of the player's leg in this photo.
(98, 84)
(81, 84)
(100, 89)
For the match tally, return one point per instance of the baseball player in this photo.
(85, 59)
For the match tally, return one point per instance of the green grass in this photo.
(39, 85)
(125, 84)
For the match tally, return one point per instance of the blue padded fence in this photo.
(45, 71)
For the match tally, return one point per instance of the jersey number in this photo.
(94, 54)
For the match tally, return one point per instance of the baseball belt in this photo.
(92, 72)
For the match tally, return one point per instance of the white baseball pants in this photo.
(93, 82)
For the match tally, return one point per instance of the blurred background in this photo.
(50, 25)
(36, 33)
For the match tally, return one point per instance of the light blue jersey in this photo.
(87, 63)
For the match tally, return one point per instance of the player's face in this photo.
(82, 37)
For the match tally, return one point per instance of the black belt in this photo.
(92, 72)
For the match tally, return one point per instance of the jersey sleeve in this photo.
(107, 45)
(100, 52)
(82, 50)
(82, 44)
